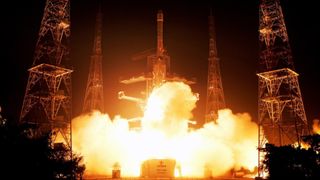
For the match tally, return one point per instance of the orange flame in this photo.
(218, 147)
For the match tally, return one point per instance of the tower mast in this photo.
(47, 101)
(94, 92)
(281, 115)
(215, 95)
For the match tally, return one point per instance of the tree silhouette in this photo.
(22, 157)
(289, 162)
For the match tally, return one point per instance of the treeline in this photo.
(289, 162)
(23, 157)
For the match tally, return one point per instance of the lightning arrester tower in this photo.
(94, 99)
(47, 102)
(281, 115)
(215, 95)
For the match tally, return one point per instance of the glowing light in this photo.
(215, 148)
(316, 126)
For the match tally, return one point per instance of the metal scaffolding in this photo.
(47, 101)
(215, 94)
(281, 115)
(94, 99)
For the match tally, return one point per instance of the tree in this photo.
(23, 157)
(289, 162)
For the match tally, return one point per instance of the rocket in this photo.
(159, 68)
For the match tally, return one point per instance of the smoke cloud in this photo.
(229, 143)
(316, 126)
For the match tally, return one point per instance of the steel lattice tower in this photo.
(94, 93)
(47, 101)
(281, 114)
(215, 95)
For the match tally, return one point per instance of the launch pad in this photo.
(175, 178)
(167, 169)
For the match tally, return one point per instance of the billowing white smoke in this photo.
(229, 143)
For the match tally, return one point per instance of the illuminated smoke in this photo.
(218, 147)
(169, 109)
(316, 126)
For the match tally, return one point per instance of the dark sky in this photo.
(129, 27)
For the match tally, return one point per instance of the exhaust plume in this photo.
(229, 143)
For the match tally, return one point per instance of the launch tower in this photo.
(215, 95)
(47, 101)
(281, 115)
(94, 99)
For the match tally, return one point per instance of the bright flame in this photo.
(302, 145)
(216, 147)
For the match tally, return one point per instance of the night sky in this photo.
(129, 27)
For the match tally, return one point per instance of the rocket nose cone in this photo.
(160, 15)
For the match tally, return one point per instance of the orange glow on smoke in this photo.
(218, 147)
(316, 126)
